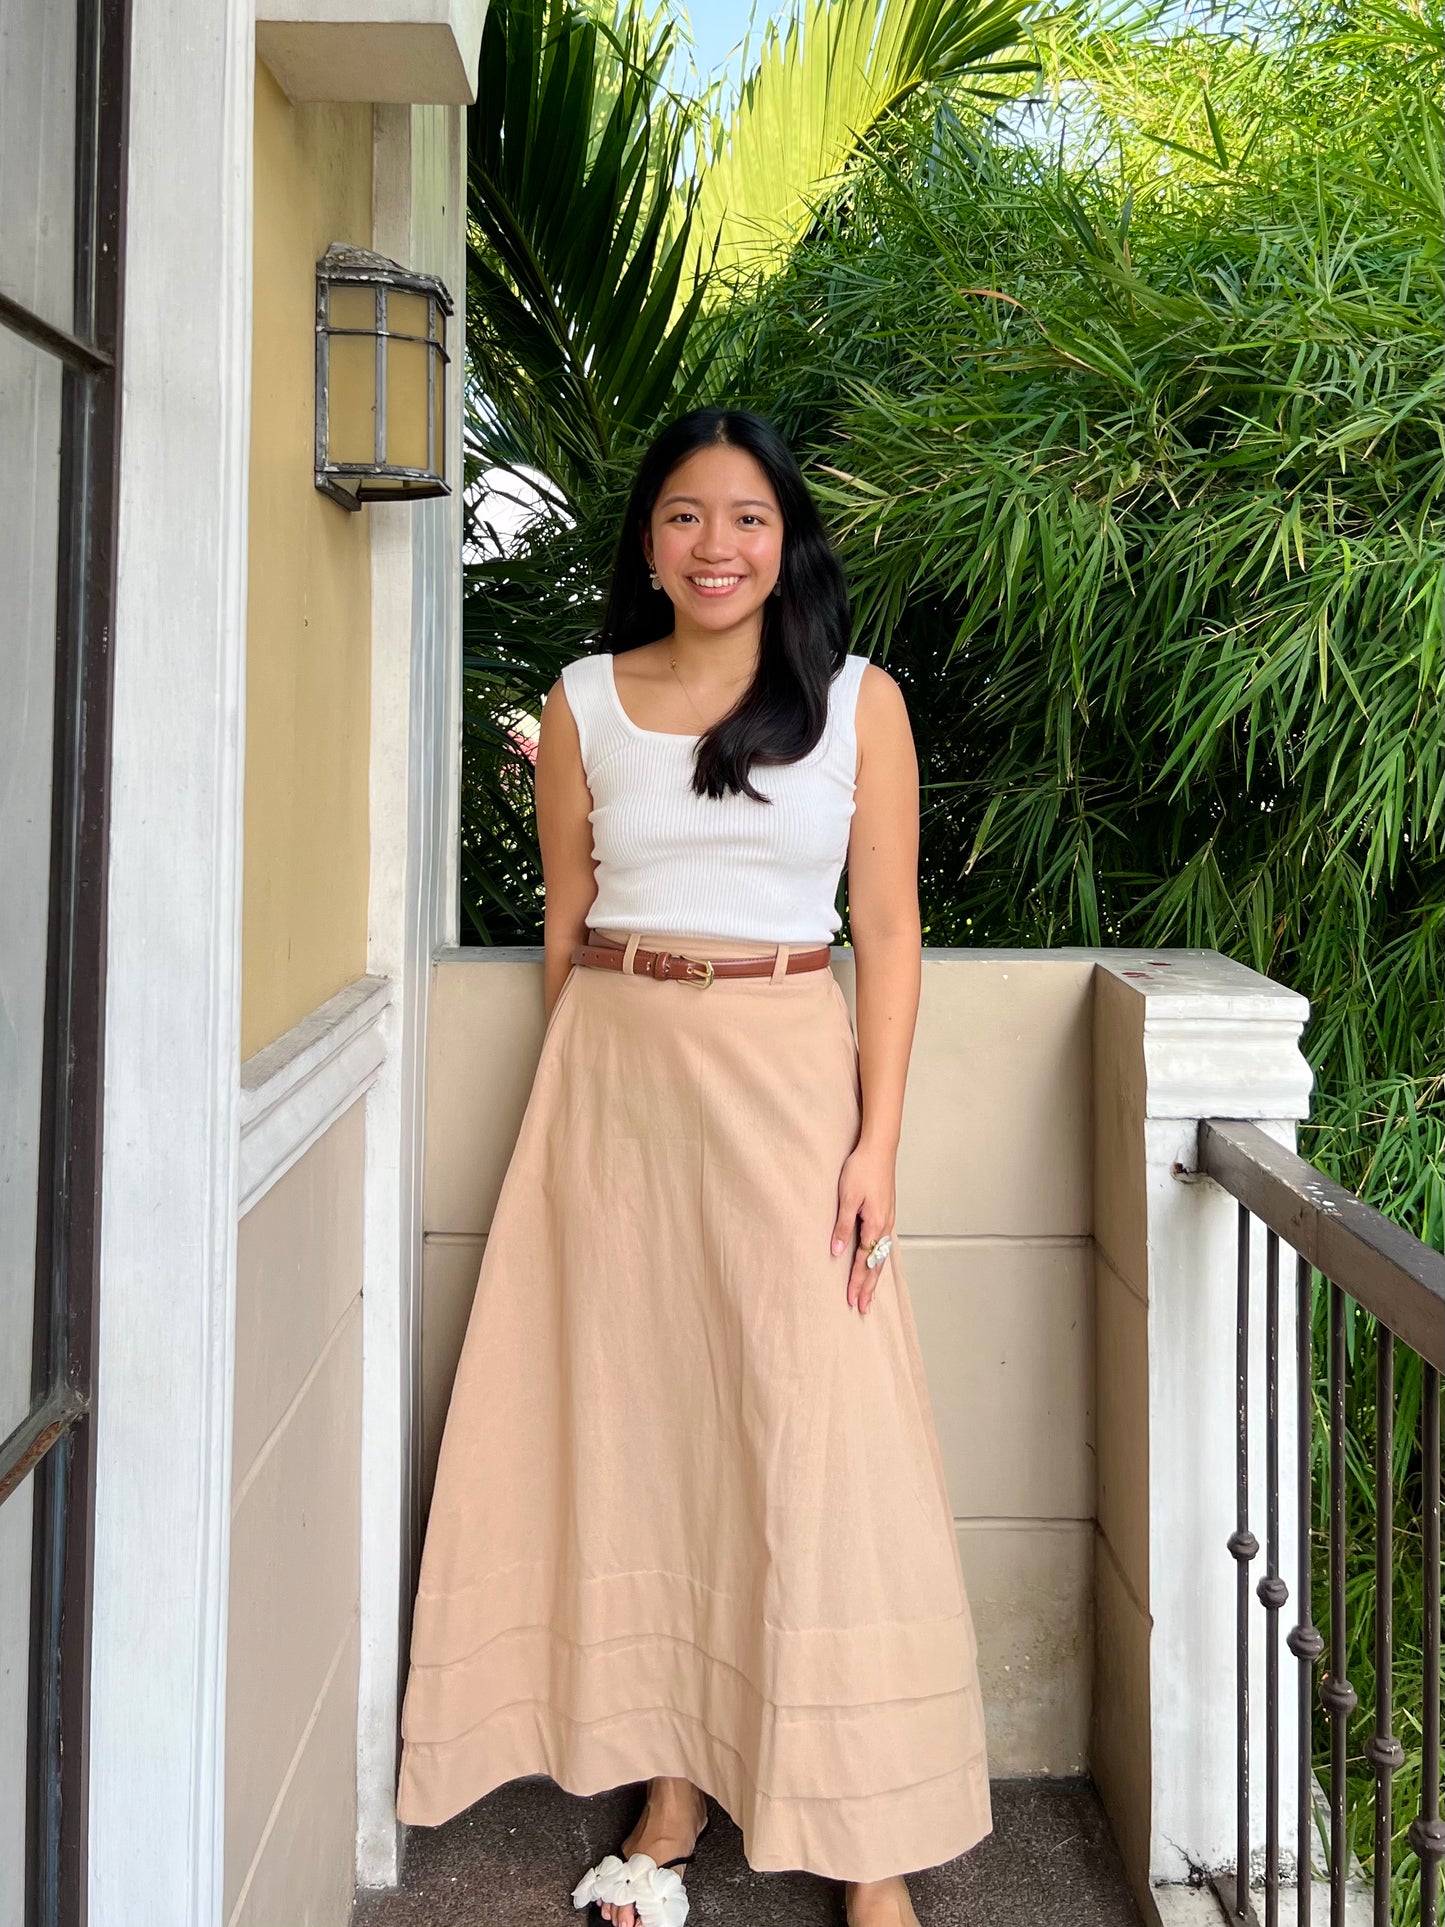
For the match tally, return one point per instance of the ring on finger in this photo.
(878, 1250)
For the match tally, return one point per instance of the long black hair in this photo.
(781, 715)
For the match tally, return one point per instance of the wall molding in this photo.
(295, 1089)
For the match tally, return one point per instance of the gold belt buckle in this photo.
(694, 965)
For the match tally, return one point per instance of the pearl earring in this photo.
(653, 578)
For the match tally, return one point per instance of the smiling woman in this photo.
(690, 1520)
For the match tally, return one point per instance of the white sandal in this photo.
(654, 1890)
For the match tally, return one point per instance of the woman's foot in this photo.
(669, 1824)
(879, 1903)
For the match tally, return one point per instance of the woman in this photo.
(690, 1520)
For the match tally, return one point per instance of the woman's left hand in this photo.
(866, 1194)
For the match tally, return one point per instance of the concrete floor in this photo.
(513, 1859)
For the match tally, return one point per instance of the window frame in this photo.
(55, 1442)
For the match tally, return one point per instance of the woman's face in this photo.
(716, 538)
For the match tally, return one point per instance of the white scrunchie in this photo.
(656, 1892)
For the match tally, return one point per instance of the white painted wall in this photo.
(382, 50)
(417, 217)
(168, 1215)
(1219, 1040)
(174, 1103)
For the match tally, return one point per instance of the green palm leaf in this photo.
(824, 81)
(578, 313)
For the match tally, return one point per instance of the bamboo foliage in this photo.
(1136, 453)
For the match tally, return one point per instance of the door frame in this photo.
(166, 1328)
(54, 1444)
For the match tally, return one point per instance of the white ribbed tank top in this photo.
(672, 862)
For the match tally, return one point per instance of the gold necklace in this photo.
(683, 687)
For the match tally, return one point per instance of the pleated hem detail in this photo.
(917, 1824)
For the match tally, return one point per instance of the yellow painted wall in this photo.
(308, 694)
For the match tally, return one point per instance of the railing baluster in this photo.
(1427, 1833)
(1382, 1749)
(1272, 1590)
(1304, 1640)
(1337, 1696)
(1243, 1545)
(1399, 1282)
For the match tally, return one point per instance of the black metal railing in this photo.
(1362, 1256)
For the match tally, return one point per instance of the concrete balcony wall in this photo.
(994, 1180)
(1121, 1758)
(292, 1647)
(1074, 1286)
(994, 1219)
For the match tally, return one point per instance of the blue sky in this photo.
(717, 27)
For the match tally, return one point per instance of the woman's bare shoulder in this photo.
(881, 702)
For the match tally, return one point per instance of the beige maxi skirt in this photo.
(690, 1515)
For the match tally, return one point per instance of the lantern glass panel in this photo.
(406, 314)
(351, 399)
(406, 403)
(352, 307)
(439, 413)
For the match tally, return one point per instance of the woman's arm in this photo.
(565, 836)
(887, 940)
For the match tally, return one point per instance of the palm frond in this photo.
(825, 78)
(578, 317)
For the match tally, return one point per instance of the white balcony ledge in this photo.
(419, 51)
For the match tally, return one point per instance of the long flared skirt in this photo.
(690, 1515)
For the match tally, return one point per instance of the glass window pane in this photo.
(37, 156)
(30, 395)
(15, 1622)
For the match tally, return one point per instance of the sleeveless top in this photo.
(671, 862)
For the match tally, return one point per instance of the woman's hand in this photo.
(866, 1192)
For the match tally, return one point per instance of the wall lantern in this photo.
(381, 379)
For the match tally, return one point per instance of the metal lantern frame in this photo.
(346, 482)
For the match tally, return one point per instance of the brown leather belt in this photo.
(667, 967)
